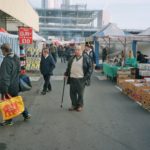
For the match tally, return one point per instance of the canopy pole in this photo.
(124, 52)
(109, 44)
(97, 45)
(134, 48)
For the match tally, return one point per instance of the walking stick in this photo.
(63, 92)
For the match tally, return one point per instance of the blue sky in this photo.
(127, 14)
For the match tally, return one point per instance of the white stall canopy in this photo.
(145, 32)
(12, 40)
(36, 37)
(109, 30)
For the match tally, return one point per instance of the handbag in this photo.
(24, 83)
(11, 107)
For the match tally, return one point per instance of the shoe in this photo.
(43, 93)
(79, 109)
(49, 90)
(27, 118)
(7, 123)
(72, 108)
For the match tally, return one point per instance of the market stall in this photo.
(103, 36)
(111, 70)
(29, 62)
(33, 53)
(129, 58)
(12, 40)
(138, 90)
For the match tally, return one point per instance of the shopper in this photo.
(141, 57)
(104, 54)
(79, 69)
(91, 54)
(9, 78)
(47, 66)
(53, 50)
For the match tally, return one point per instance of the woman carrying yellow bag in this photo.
(11, 107)
(9, 78)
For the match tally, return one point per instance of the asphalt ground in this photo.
(110, 120)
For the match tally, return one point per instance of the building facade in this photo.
(12, 15)
(70, 21)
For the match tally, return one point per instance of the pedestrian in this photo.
(91, 54)
(47, 65)
(104, 54)
(53, 50)
(79, 69)
(141, 58)
(9, 78)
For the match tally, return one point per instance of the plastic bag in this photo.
(11, 107)
(24, 83)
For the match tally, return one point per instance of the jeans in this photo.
(24, 114)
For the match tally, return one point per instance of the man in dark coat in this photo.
(141, 58)
(53, 50)
(91, 54)
(47, 66)
(79, 69)
(9, 78)
(104, 53)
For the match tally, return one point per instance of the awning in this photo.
(109, 30)
(36, 37)
(22, 11)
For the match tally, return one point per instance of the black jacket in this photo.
(87, 67)
(9, 75)
(141, 58)
(47, 65)
(91, 55)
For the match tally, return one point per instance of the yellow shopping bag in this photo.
(11, 107)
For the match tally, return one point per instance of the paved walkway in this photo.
(110, 120)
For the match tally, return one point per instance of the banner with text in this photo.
(25, 35)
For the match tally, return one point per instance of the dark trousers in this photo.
(63, 58)
(47, 84)
(77, 87)
(54, 56)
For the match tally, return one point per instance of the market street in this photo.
(109, 121)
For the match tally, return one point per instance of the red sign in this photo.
(25, 35)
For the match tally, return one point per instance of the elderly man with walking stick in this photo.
(79, 70)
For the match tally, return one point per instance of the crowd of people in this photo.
(80, 65)
(78, 73)
(66, 53)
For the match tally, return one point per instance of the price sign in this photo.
(25, 35)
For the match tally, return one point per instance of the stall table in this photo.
(111, 70)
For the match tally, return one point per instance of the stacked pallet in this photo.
(137, 90)
(122, 75)
(146, 99)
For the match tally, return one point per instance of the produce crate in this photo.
(146, 99)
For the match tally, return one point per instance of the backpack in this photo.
(24, 83)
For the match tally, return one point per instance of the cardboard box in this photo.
(123, 72)
(123, 76)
